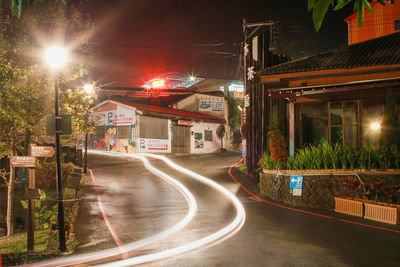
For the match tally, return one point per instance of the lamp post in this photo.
(88, 89)
(55, 57)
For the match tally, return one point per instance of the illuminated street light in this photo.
(56, 57)
(375, 126)
(88, 88)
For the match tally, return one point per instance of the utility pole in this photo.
(254, 116)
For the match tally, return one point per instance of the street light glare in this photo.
(88, 88)
(56, 56)
(375, 126)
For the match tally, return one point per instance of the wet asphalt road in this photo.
(139, 204)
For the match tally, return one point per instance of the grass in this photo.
(18, 242)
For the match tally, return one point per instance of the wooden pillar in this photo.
(31, 212)
(291, 128)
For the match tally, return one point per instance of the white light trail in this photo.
(209, 240)
(214, 238)
(104, 254)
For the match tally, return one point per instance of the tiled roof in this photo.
(375, 52)
(172, 111)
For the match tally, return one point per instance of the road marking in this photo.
(105, 217)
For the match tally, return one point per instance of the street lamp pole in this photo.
(88, 89)
(55, 57)
(60, 202)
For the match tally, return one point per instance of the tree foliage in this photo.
(320, 8)
(18, 6)
(25, 86)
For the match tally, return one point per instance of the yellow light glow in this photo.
(192, 78)
(375, 126)
(56, 56)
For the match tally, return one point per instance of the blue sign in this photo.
(296, 182)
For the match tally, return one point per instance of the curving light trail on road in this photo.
(224, 233)
(121, 250)
(212, 239)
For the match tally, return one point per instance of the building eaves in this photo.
(375, 52)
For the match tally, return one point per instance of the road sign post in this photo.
(28, 162)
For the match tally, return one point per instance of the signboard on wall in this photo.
(296, 185)
(120, 117)
(211, 104)
(153, 145)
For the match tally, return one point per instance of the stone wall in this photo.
(319, 187)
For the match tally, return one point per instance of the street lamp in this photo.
(56, 57)
(88, 89)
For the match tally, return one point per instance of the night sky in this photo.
(141, 39)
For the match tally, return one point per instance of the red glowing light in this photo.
(158, 83)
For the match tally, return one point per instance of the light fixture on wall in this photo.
(375, 126)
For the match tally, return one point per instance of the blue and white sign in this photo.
(296, 184)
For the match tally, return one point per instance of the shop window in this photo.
(99, 132)
(332, 122)
(153, 128)
(343, 122)
(314, 123)
(123, 132)
(208, 135)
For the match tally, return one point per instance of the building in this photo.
(131, 127)
(331, 97)
(385, 20)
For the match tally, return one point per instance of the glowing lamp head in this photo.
(375, 126)
(88, 88)
(56, 56)
(192, 78)
(158, 83)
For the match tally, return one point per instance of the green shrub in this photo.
(267, 162)
(42, 212)
(337, 156)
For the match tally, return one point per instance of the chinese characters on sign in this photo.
(119, 117)
(211, 104)
(153, 145)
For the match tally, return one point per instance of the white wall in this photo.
(208, 146)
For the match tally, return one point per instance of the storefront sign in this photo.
(124, 116)
(153, 145)
(120, 117)
(186, 123)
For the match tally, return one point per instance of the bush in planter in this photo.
(267, 162)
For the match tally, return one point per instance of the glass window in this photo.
(336, 135)
(208, 135)
(350, 113)
(336, 113)
(314, 123)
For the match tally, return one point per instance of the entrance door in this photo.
(181, 139)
